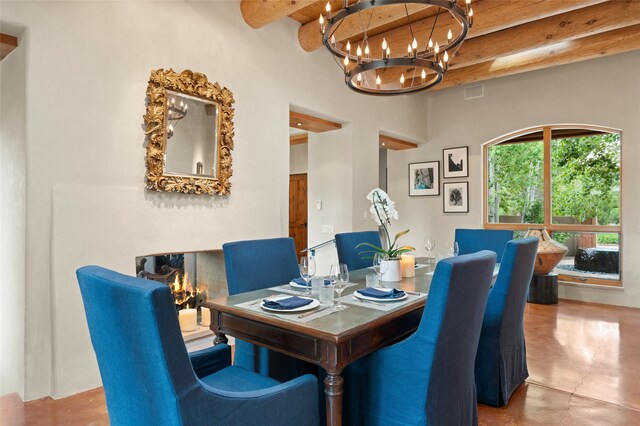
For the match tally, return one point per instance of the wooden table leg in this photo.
(220, 338)
(333, 391)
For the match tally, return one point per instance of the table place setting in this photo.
(298, 309)
(381, 298)
(297, 288)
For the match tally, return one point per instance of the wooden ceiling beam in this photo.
(258, 13)
(595, 46)
(309, 123)
(490, 16)
(555, 29)
(389, 142)
(299, 139)
(7, 44)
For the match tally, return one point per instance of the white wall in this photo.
(604, 92)
(329, 181)
(298, 158)
(89, 63)
(13, 167)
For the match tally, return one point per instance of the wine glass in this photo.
(429, 244)
(307, 271)
(380, 267)
(339, 276)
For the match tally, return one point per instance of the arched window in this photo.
(567, 179)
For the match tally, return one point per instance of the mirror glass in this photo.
(192, 135)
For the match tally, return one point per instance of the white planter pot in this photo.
(393, 271)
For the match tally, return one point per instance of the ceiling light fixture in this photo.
(175, 113)
(379, 72)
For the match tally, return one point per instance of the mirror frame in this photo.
(155, 119)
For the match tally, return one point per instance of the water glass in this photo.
(316, 282)
(372, 280)
(380, 266)
(429, 244)
(326, 294)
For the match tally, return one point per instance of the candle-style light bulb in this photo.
(173, 101)
(321, 22)
(186, 107)
(449, 36)
(446, 60)
(414, 44)
(171, 128)
(359, 78)
(423, 75)
(349, 46)
(388, 52)
(409, 50)
(328, 7)
(430, 44)
(378, 81)
(359, 54)
(384, 43)
(402, 80)
(366, 50)
(346, 62)
(470, 16)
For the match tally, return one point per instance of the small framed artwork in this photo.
(456, 197)
(455, 162)
(424, 178)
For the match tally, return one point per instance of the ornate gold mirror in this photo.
(189, 122)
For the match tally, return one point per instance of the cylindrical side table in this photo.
(543, 289)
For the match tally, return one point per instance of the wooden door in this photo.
(298, 211)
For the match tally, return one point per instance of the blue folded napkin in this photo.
(286, 303)
(381, 294)
(300, 281)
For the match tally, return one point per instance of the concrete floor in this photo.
(584, 365)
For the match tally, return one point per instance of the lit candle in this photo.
(205, 316)
(408, 265)
(188, 319)
(449, 36)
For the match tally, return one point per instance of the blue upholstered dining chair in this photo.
(354, 257)
(254, 265)
(428, 377)
(501, 362)
(150, 379)
(473, 240)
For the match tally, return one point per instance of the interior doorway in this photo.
(300, 125)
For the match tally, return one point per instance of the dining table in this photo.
(323, 335)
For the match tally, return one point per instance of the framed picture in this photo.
(455, 162)
(456, 197)
(424, 178)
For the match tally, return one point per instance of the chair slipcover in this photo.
(501, 362)
(350, 255)
(473, 240)
(150, 379)
(254, 265)
(428, 377)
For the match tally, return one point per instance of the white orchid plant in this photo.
(383, 210)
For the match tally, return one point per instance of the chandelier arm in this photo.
(406, 11)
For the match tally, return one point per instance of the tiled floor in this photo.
(584, 365)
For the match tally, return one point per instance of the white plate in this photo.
(314, 304)
(296, 285)
(378, 299)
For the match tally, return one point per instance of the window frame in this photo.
(546, 139)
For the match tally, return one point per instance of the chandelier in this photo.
(382, 71)
(175, 113)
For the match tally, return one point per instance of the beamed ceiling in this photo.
(508, 36)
